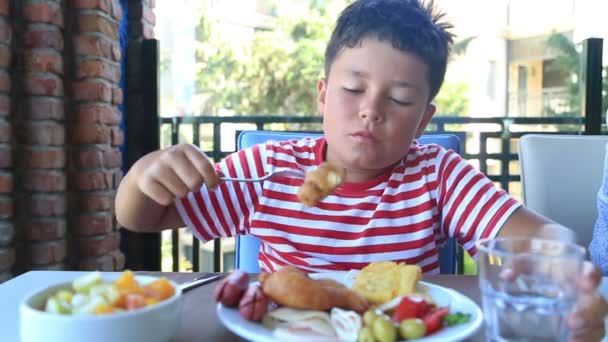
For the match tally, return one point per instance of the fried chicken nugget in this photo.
(319, 183)
(295, 289)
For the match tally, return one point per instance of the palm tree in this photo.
(567, 61)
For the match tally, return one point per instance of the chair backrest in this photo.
(248, 246)
(560, 176)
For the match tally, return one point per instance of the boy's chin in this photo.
(371, 164)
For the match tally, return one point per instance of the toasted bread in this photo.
(379, 282)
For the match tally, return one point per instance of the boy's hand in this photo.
(175, 172)
(587, 321)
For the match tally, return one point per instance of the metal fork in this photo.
(200, 281)
(286, 172)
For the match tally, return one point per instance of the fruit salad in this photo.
(91, 295)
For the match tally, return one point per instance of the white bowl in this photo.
(153, 323)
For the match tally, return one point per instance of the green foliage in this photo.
(567, 61)
(453, 99)
(276, 74)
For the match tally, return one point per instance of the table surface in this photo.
(199, 320)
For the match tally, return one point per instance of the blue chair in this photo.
(248, 246)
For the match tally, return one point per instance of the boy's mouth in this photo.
(365, 136)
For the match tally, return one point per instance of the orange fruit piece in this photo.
(127, 283)
(160, 289)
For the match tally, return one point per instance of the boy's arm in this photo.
(138, 212)
(527, 223)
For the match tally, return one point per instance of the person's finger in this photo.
(156, 192)
(516, 266)
(592, 335)
(590, 278)
(186, 171)
(164, 174)
(203, 165)
(588, 315)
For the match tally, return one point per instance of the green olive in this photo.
(369, 317)
(384, 330)
(412, 328)
(366, 335)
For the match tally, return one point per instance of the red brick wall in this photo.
(60, 162)
(96, 160)
(7, 228)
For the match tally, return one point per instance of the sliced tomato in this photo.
(410, 308)
(433, 320)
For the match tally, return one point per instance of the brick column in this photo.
(95, 135)
(7, 231)
(42, 144)
(141, 26)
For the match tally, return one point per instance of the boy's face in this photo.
(374, 103)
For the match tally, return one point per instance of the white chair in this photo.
(561, 175)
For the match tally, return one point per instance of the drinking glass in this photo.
(528, 287)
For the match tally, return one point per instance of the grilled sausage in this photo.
(230, 289)
(254, 304)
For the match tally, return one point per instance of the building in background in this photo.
(507, 66)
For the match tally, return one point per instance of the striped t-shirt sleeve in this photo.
(471, 206)
(227, 210)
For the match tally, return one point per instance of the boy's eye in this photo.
(400, 103)
(353, 90)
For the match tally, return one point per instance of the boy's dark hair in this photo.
(409, 25)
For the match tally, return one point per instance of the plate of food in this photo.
(384, 301)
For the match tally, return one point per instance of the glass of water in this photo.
(528, 287)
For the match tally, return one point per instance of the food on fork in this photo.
(295, 289)
(380, 282)
(319, 183)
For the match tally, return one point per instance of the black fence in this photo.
(489, 143)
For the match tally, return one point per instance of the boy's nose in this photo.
(370, 116)
(372, 111)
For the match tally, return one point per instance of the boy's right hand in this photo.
(176, 171)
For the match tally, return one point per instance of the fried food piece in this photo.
(379, 282)
(295, 289)
(319, 183)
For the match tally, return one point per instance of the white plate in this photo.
(255, 331)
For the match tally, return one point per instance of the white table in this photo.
(12, 292)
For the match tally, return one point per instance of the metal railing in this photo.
(489, 143)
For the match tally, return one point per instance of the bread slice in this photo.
(409, 276)
(379, 282)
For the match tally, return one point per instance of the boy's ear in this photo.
(426, 118)
(322, 89)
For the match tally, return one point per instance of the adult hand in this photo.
(587, 320)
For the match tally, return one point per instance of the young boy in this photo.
(385, 63)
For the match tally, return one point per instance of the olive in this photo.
(369, 317)
(412, 328)
(366, 335)
(384, 330)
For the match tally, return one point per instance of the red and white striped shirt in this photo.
(402, 215)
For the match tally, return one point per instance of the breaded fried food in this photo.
(319, 183)
(293, 288)
(379, 282)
